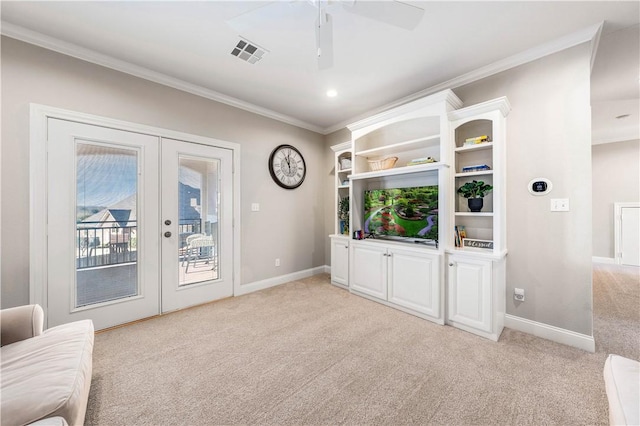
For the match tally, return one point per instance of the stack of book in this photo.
(423, 160)
(476, 168)
(460, 234)
(476, 140)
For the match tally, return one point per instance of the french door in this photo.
(137, 224)
(196, 228)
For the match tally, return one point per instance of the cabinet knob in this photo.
(167, 234)
(452, 264)
(346, 246)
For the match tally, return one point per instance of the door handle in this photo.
(167, 234)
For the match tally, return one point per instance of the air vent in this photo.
(248, 51)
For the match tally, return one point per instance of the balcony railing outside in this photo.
(100, 244)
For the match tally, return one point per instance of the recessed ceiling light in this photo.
(622, 116)
(332, 93)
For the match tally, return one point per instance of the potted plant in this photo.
(474, 191)
(343, 215)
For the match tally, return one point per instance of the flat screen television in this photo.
(409, 214)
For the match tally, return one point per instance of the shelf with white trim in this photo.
(406, 170)
(476, 173)
(394, 148)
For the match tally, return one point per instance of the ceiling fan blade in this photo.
(324, 40)
(395, 13)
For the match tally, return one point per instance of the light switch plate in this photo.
(255, 207)
(559, 204)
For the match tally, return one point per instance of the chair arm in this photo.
(20, 323)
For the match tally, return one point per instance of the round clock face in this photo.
(287, 167)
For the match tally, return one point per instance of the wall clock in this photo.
(287, 167)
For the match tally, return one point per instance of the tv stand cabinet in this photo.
(398, 275)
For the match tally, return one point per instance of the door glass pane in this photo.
(106, 204)
(198, 205)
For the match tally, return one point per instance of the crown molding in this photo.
(589, 34)
(38, 39)
(444, 96)
(502, 104)
(341, 146)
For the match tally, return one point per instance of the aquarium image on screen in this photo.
(410, 213)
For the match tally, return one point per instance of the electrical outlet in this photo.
(518, 294)
(278, 262)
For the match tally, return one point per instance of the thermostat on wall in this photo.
(540, 186)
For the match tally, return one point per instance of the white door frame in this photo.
(617, 228)
(39, 114)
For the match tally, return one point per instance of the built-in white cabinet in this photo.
(414, 281)
(341, 207)
(405, 278)
(340, 260)
(475, 276)
(401, 173)
(368, 269)
(475, 294)
(478, 145)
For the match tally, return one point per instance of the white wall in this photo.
(548, 135)
(290, 224)
(616, 178)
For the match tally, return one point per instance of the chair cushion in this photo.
(622, 383)
(48, 375)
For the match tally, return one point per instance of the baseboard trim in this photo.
(272, 282)
(549, 332)
(608, 260)
(327, 269)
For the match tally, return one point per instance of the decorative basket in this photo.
(382, 164)
(345, 163)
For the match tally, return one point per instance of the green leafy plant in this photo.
(475, 189)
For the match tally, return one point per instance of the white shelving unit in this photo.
(476, 277)
(408, 276)
(403, 274)
(340, 236)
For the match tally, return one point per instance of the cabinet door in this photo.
(414, 281)
(340, 261)
(469, 292)
(368, 272)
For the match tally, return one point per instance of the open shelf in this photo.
(478, 173)
(399, 146)
(476, 147)
(473, 214)
(406, 170)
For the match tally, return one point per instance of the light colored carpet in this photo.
(307, 352)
